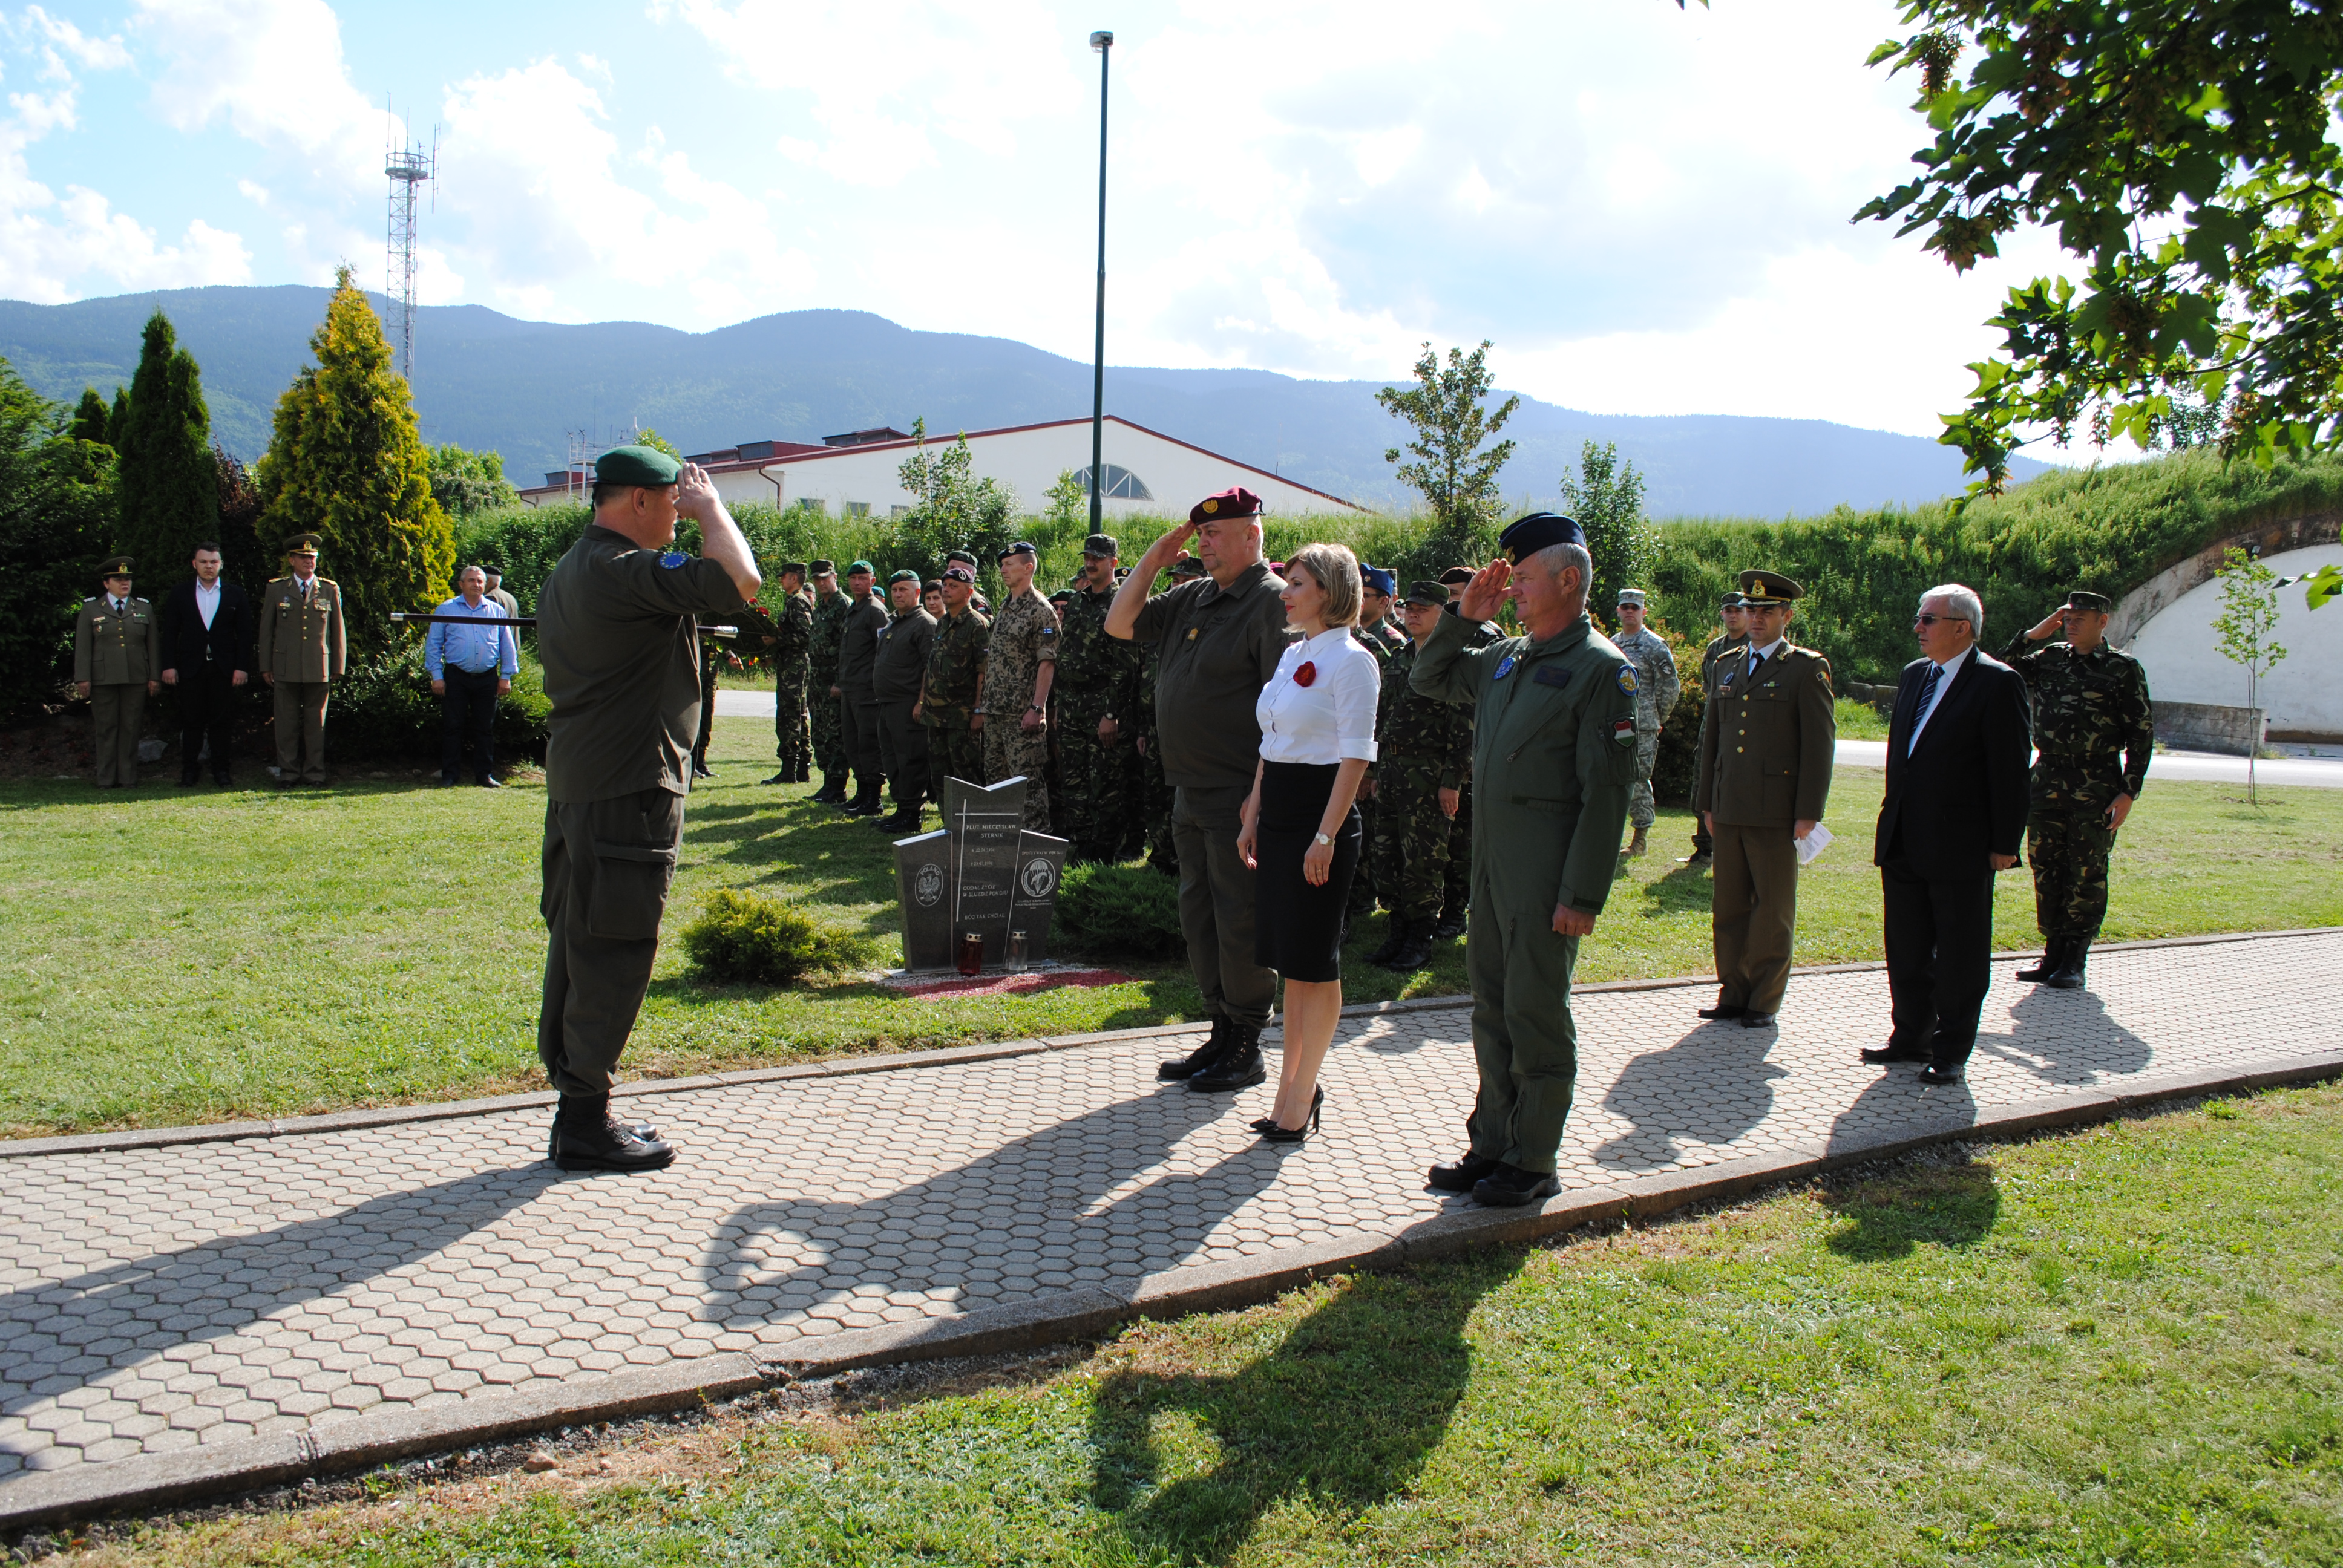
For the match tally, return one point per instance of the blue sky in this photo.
(1645, 208)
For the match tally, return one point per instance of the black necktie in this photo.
(1755, 659)
(1928, 695)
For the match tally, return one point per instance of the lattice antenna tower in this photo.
(408, 168)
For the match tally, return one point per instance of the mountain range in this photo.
(492, 382)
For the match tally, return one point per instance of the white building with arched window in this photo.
(857, 473)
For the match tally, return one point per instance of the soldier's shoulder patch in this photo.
(1622, 731)
(1627, 679)
(673, 558)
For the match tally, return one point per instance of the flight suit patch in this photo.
(1622, 731)
(1549, 675)
(1627, 678)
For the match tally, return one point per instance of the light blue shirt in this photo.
(473, 649)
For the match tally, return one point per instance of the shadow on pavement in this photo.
(1728, 1065)
(2065, 1037)
(1340, 1416)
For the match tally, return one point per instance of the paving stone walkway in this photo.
(155, 1300)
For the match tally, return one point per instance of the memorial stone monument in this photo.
(981, 873)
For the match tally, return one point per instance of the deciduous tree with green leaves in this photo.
(167, 489)
(1456, 477)
(464, 481)
(1607, 500)
(2186, 152)
(2244, 630)
(344, 462)
(955, 509)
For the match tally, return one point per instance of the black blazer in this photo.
(1961, 794)
(186, 641)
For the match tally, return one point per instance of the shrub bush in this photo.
(1128, 910)
(746, 938)
(383, 708)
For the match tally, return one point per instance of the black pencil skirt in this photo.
(1297, 928)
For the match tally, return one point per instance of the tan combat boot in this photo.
(1636, 847)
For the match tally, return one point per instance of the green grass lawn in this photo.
(171, 956)
(2123, 1346)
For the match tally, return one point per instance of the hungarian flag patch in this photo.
(1622, 731)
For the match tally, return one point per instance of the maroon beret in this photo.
(1236, 501)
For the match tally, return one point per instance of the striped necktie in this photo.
(1928, 699)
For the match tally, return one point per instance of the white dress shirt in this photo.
(1952, 668)
(1331, 720)
(207, 602)
(1761, 655)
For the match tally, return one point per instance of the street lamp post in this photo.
(1104, 43)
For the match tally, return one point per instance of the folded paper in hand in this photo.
(1813, 844)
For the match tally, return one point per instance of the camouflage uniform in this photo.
(1097, 675)
(948, 700)
(1656, 687)
(791, 660)
(2096, 731)
(1422, 746)
(1024, 636)
(1151, 789)
(1456, 883)
(829, 624)
(1381, 641)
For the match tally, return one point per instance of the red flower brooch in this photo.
(1305, 674)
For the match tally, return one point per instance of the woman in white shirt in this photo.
(1301, 832)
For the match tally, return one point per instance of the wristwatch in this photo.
(1321, 840)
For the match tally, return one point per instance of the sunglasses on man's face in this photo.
(1933, 619)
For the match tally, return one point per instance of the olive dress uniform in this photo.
(2095, 732)
(118, 653)
(1024, 636)
(304, 648)
(618, 637)
(1553, 758)
(1766, 747)
(949, 695)
(1098, 678)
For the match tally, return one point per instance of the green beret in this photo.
(2083, 598)
(905, 576)
(865, 568)
(645, 465)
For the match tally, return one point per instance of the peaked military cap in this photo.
(797, 567)
(1424, 591)
(645, 465)
(115, 567)
(1765, 587)
(959, 573)
(1101, 544)
(1538, 531)
(1187, 567)
(303, 545)
(1455, 575)
(1379, 579)
(1018, 548)
(865, 568)
(905, 576)
(2083, 598)
(825, 568)
(1236, 501)
(1634, 595)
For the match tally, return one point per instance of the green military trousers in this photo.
(2067, 844)
(1753, 914)
(607, 864)
(1216, 903)
(1411, 836)
(1093, 776)
(117, 717)
(1524, 1038)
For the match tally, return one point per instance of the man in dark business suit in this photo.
(207, 659)
(1959, 749)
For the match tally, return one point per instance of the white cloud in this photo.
(90, 53)
(272, 69)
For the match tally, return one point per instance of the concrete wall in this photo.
(2302, 695)
(2208, 726)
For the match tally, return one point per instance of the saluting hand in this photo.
(2048, 626)
(1486, 594)
(695, 492)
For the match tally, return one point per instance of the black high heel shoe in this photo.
(1270, 1132)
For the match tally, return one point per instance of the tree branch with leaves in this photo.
(1455, 476)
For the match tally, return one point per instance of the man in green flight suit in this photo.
(616, 633)
(953, 692)
(823, 694)
(2095, 731)
(1552, 761)
(788, 653)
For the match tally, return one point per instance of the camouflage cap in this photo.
(1101, 544)
(825, 568)
(1634, 595)
(1732, 600)
(2083, 598)
(797, 567)
(1424, 591)
(1455, 575)
(1187, 567)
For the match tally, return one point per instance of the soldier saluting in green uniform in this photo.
(2095, 731)
(616, 633)
(118, 665)
(1552, 761)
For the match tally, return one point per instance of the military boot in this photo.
(2053, 954)
(1240, 1068)
(1394, 938)
(832, 791)
(1640, 845)
(865, 802)
(1197, 1061)
(1449, 927)
(2069, 976)
(587, 1137)
(1414, 952)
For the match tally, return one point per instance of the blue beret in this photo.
(1538, 531)
(1379, 579)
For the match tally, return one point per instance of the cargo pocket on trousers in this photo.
(630, 883)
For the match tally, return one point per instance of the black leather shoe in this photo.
(1448, 926)
(1277, 1133)
(1511, 1187)
(1394, 939)
(642, 1129)
(783, 777)
(1202, 1057)
(1240, 1067)
(1938, 1072)
(446, 781)
(1881, 1055)
(2053, 953)
(1724, 1010)
(698, 771)
(587, 1137)
(1460, 1176)
(488, 781)
(1757, 1021)
(2069, 976)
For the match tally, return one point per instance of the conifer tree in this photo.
(346, 463)
(89, 418)
(165, 486)
(117, 418)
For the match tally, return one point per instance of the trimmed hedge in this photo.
(1128, 912)
(747, 938)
